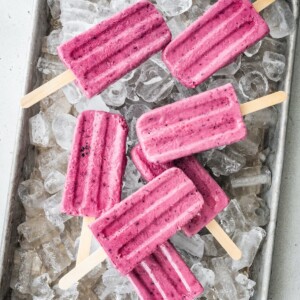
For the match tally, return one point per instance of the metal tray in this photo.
(24, 160)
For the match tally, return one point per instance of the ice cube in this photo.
(69, 294)
(52, 41)
(118, 5)
(223, 162)
(174, 8)
(115, 95)
(254, 85)
(210, 248)
(193, 245)
(27, 266)
(54, 257)
(280, 19)
(96, 103)
(37, 230)
(54, 6)
(249, 243)
(245, 286)
(32, 195)
(205, 276)
(73, 93)
(253, 49)
(264, 118)
(63, 127)
(230, 69)
(255, 210)
(232, 218)
(60, 106)
(224, 284)
(40, 288)
(274, 65)
(176, 26)
(155, 83)
(135, 111)
(40, 131)
(50, 65)
(54, 182)
(52, 207)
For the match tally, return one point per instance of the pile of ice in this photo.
(49, 239)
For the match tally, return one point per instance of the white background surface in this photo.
(15, 27)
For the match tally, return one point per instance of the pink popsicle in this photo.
(164, 275)
(135, 227)
(215, 200)
(208, 120)
(114, 47)
(96, 165)
(225, 31)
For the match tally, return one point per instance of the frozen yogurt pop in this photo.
(202, 122)
(135, 227)
(164, 275)
(215, 200)
(95, 170)
(225, 31)
(109, 50)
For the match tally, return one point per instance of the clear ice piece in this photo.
(54, 6)
(32, 195)
(254, 85)
(173, 8)
(54, 257)
(274, 65)
(54, 182)
(53, 211)
(155, 83)
(27, 266)
(210, 248)
(232, 218)
(59, 106)
(52, 41)
(73, 93)
(250, 180)
(264, 118)
(280, 19)
(255, 209)
(40, 288)
(176, 26)
(249, 243)
(253, 49)
(40, 131)
(69, 294)
(230, 69)
(245, 286)
(50, 65)
(223, 162)
(193, 245)
(118, 5)
(96, 103)
(63, 127)
(224, 284)
(115, 95)
(205, 276)
(37, 230)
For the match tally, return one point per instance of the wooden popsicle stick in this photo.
(85, 240)
(47, 89)
(259, 5)
(263, 102)
(82, 269)
(225, 241)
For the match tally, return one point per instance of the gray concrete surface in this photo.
(285, 278)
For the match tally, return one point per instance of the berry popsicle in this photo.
(109, 50)
(215, 200)
(201, 122)
(225, 31)
(95, 170)
(133, 228)
(164, 275)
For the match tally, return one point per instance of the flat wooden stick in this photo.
(47, 89)
(259, 5)
(263, 102)
(85, 240)
(82, 269)
(225, 241)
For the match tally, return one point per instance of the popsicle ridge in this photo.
(92, 185)
(115, 46)
(195, 124)
(153, 214)
(227, 29)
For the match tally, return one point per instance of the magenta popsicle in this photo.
(164, 275)
(225, 31)
(208, 120)
(133, 228)
(96, 165)
(215, 200)
(114, 47)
